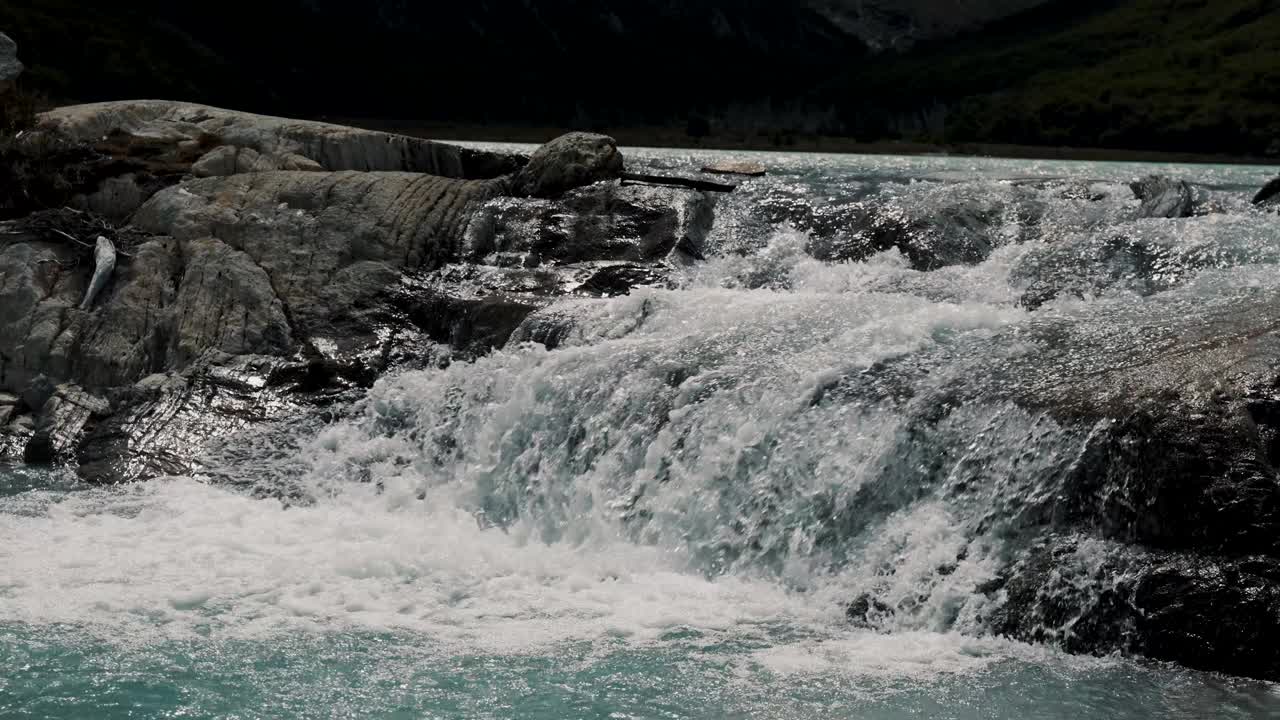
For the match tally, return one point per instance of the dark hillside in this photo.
(1178, 75)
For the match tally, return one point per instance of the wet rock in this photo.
(166, 423)
(1164, 197)
(569, 161)
(1209, 613)
(954, 236)
(867, 612)
(603, 221)
(62, 422)
(616, 280)
(10, 66)
(1269, 195)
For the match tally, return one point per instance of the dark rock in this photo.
(1209, 613)
(867, 612)
(615, 280)
(37, 392)
(569, 161)
(167, 423)
(1269, 195)
(955, 236)
(1164, 197)
(604, 221)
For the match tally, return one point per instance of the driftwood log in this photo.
(678, 182)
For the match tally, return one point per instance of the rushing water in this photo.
(667, 516)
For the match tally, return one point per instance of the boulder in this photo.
(1269, 195)
(567, 162)
(10, 66)
(1164, 197)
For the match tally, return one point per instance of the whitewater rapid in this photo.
(680, 475)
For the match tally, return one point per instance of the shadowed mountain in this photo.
(1143, 74)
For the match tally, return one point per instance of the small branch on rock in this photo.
(678, 182)
(71, 237)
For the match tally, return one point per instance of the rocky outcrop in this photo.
(256, 294)
(133, 149)
(172, 126)
(10, 66)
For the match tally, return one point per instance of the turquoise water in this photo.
(57, 675)
(574, 534)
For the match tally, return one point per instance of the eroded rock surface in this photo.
(133, 149)
(256, 290)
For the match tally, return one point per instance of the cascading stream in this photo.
(808, 466)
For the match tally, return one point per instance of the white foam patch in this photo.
(911, 656)
(178, 559)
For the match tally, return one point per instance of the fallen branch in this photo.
(678, 182)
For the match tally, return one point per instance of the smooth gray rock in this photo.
(10, 66)
(136, 148)
(327, 245)
(567, 162)
(182, 126)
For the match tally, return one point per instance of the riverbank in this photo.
(677, 138)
